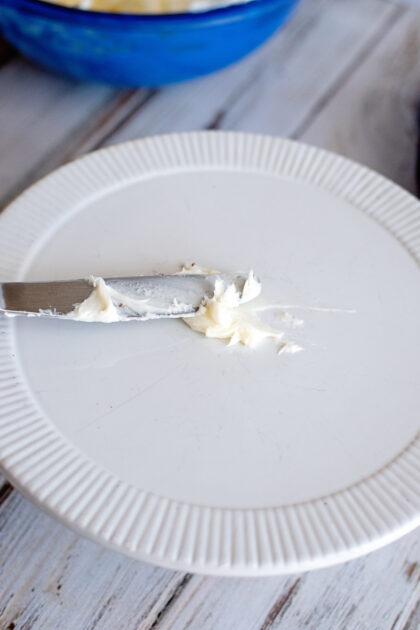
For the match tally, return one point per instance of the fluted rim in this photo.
(48, 469)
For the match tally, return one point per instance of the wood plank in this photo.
(413, 620)
(71, 582)
(51, 578)
(369, 592)
(413, 3)
(383, 586)
(43, 118)
(218, 603)
(275, 89)
(374, 116)
(287, 93)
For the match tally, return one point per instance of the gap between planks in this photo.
(113, 115)
(6, 52)
(353, 65)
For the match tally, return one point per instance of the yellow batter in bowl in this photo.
(141, 6)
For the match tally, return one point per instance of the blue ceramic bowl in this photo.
(126, 49)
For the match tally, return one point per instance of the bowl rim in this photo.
(48, 8)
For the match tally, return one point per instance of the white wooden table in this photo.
(345, 75)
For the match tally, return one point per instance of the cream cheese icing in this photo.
(108, 304)
(226, 315)
(98, 307)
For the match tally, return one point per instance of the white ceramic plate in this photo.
(173, 448)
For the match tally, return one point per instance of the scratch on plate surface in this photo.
(131, 398)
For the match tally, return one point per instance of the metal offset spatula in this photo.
(177, 295)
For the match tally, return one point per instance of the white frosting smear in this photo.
(225, 316)
(107, 304)
(98, 307)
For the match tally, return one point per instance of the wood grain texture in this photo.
(275, 89)
(287, 94)
(359, 101)
(413, 620)
(64, 581)
(39, 112)
(65, 119)
(374, 116)
(382, 585)
(411, 3)
(45, 120)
